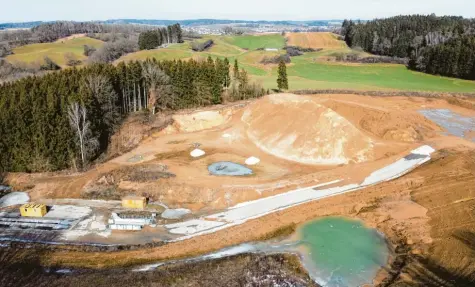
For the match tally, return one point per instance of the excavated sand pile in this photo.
(201, 120)
(299, 129)
(391, 125)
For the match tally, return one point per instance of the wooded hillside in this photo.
(436, 45)
(48, 123)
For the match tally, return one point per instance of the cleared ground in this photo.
(426, 210)
(315, 40)
(56, 51)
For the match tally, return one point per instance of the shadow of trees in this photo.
(428, 272)
(22, 267)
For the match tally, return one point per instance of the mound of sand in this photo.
(200, 120)
(389, 125)
(299, 129)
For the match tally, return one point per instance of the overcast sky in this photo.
(81, 10)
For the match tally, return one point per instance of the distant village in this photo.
(259, 28)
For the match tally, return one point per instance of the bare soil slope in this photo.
(299, 129)
(315, 40)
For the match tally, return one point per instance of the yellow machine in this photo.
(33, 210)
(134, 202)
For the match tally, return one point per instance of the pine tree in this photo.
(236, 70)
(282, 82)
(226, 76)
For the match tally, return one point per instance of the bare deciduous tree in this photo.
(160, 93)
(78, 120)
(101, 89)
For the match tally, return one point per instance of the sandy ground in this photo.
(314, 40)
(415, 208)
(70, 37)
(378, 132)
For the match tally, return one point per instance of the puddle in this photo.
(455, 124)
(334, 250)
(228, 168)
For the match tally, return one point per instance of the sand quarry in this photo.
(299, 140)
(377, 159)
(298, 149)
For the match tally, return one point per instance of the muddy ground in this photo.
(240, 270)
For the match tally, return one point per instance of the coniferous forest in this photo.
(155, 38)
(65, 119)
(435, 45)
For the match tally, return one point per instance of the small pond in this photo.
(342, 252)
(228, 168)
(334, 250)
(455, 124)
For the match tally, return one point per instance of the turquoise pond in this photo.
(336, 252)
(341, 252)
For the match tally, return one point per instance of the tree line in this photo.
(155, 38)
(65, 119)
(436, 45)
(454, 58)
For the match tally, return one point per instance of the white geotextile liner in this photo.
(14, 198)
(192, 226)
(253, 209)
(175, 213)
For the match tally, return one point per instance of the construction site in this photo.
(233, 173)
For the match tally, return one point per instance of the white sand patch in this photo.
(89, 225)
(192, 226)
(226, 136)
(69, 212)
(14, 198)
(175, 213)
(197, 153)
(252, 160)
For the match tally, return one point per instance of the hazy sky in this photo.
(80, 10)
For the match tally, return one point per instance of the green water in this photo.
(342, 252)
(336, 252)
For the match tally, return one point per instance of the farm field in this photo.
(313, 70)
(56, 51)
(314, 40)
(252, 42)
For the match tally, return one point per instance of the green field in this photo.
(56, 51)
(251, 42)
(309, 71)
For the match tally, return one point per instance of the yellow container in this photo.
(33, 210)
(134, 202)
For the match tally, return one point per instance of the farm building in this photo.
(33, 210)
(134, 202)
